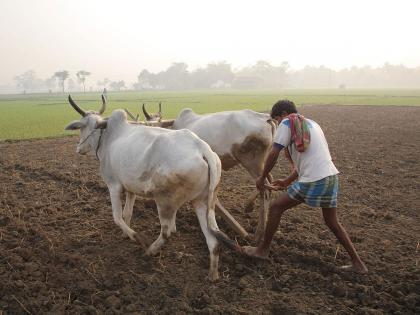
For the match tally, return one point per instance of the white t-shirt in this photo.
(313, 164)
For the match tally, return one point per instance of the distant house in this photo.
(220, 84)
(147, 86)
(246, 82)
(142, 86)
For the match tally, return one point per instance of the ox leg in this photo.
(262, 217)
(130, 198)
(255, 169)
(254, 166)
(212, 244)
(167, 216)
(115, 193)
(249, 204)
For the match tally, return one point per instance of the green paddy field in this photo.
(45, 115)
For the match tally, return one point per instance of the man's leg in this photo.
(277, 208)
(330, 217)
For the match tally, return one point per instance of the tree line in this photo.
(28, 81)
(220, 75)
(264, 75)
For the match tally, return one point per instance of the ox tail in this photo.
(215, 170)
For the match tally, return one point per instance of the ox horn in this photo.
(103, 107)
(145, 113)
(76, 107)
(131, 115)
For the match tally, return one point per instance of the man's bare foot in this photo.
(254, 252)
(357, 268)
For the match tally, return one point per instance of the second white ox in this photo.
(242, 137)
(171, 167)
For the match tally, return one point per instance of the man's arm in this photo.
(284, 183)
(291, 178)
(269, 163)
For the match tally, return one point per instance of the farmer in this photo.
(317, 181)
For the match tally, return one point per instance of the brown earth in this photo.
(60, 251)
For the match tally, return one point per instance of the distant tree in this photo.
(316, 77)
(200, 79)
(28, 80)
(72, 86)
(104, 83)
(61, 76)
(266, 75)
(117, 85)
(214, 75)
(220, 71)
(50, 83)
(145, 80)
(285, 65)
(81, 78)
(282, 74)
(175, 77)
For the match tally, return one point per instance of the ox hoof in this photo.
(213, 276)
(360, 269)
(141, 239)
(151, 251)
(249, 207)
(253, 252)
(258, 238)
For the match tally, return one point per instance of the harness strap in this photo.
(99, 143)
(87, 137)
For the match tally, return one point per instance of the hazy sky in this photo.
(117, 39)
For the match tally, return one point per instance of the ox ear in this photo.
(74, 125)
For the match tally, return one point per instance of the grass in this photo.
(43, 115)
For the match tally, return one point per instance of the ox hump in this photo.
(186, 112)
(118, 117)
(185, 118)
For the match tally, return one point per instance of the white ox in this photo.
(169, 166)
(241, 137)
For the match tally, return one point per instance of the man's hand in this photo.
(269, 163)
(278, 185)
(260, 183)
(281, 183)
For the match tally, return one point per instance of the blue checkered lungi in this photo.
(321, 193)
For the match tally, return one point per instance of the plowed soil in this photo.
(61, 252)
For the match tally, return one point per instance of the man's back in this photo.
(315, 162)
